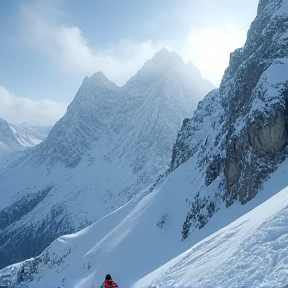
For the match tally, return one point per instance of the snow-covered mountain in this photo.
(140, 243)
(21, 136)
(228, 159)
(15, 138)
(112, 143)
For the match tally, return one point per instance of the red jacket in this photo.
(109, 284)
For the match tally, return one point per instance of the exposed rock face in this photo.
(249, 128)
(269, 138)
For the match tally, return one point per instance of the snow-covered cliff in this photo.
(246, 119)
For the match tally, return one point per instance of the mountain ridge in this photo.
(111, 144)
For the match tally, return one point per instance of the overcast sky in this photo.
(48, 47)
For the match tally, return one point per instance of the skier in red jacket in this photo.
(109, 283)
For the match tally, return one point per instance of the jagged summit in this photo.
(164, 55)
(99, 104)
(99, 80)
(166, 66)
(160, 63)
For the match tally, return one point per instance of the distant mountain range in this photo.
(112, 144)
(15, 138)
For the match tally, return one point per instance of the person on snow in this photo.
(109, 283)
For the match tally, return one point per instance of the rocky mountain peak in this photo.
(98, 80)
(160, 63)
(248, 130)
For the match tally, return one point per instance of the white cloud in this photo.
(125, 59)
(209, 49)
(72, 53)
(18, 110)
(118, 63)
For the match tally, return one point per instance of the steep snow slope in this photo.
(111, 144)
(250, 252)
(133, 241)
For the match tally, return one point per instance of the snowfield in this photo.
(131, 244)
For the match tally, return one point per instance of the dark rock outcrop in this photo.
(248, 132)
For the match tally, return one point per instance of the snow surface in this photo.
(134, 241)
(250, 252)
